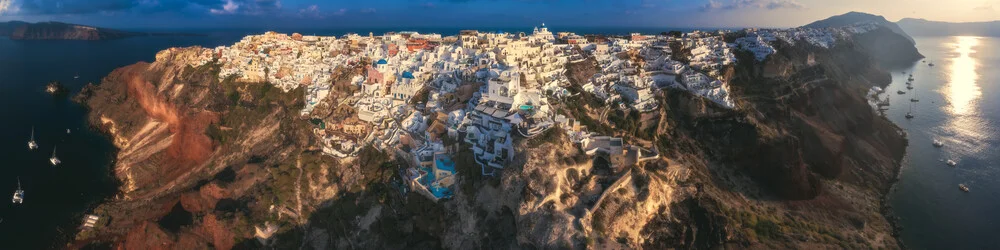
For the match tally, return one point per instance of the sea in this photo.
(956, 107)
(959, 106)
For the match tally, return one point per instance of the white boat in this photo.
(55, 161)
(951, 163)
(963, 188)
(938, 144)
(32, 145)
(18, 194)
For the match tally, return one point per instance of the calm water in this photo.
(57, 197)
(959, 105)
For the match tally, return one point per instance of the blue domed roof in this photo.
(382, 61)
(407, 74)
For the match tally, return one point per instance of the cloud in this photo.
(229, 8)
(714, 5)
(6, 7)
(368, 10)
(111, 7)
(984, 7)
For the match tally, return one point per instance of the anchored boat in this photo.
(19, 193)
(54, 160)
(32, 145)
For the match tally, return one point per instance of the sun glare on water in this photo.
(963, 90)
(963, 94)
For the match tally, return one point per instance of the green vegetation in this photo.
(767, 229)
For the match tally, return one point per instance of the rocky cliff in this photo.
(59, 31)
(189, 146)
(890, 47)
(802, 161)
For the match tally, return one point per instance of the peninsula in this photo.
(753, 138)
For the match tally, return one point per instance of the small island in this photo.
(55, 88)
(18, 30)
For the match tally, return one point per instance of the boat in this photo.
(54, 160)
(914, 100)
(930, 64)
(963, 188)
(18, 194)
(32, 145)
(909, 114)
(77, 76)
(909, 87)
(951, 163)
(900, 92)
(938, 144)
(67, 131)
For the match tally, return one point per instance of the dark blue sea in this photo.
(959, 104)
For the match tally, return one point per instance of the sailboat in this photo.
(18, 194)
(914, 99)
(909, 115)
(55, 161)
(32, 145)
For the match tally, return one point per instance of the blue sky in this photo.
(478, 13)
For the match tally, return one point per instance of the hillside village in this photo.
(424, 96)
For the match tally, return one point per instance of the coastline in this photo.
(886, 207)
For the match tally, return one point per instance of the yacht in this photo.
(909, 114)
(18, 194)
(55, 161)
(930, 64)
(951, 163)
(900, 92)
(938, 144)
(77, 76)
(32, 145)
(963, 188)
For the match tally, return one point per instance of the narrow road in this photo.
(298, 187)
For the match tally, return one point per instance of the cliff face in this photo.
(59, 31)
(889, 46)
(184, 143)
(802, 161)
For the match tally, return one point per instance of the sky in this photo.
(480, 13)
